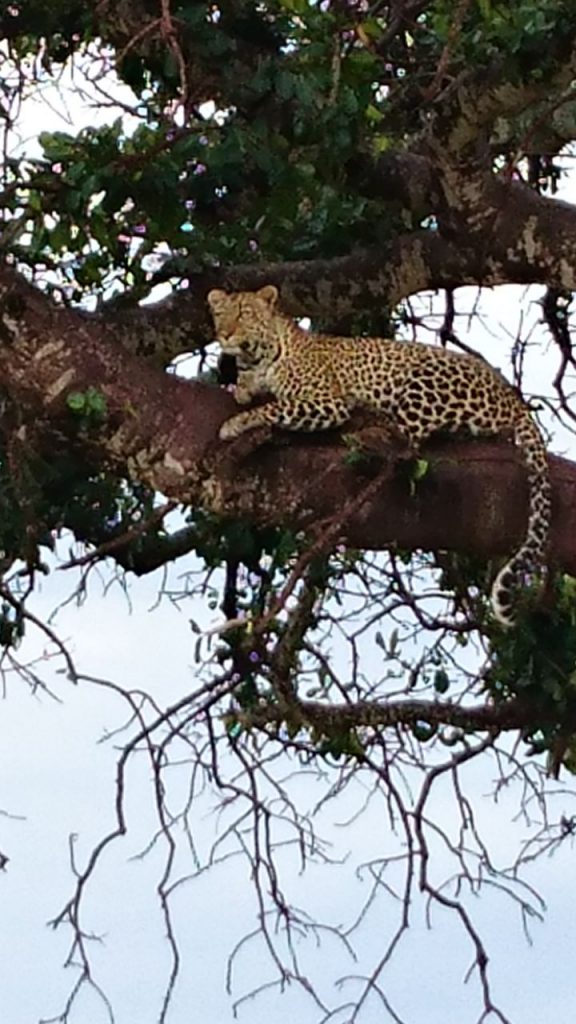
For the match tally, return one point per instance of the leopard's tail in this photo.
(529, 561)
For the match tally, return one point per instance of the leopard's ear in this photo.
(216, 298)
(269, 293)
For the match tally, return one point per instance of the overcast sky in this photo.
(57, 778)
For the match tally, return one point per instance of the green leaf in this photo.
(421, 467)
(76, 401)
(441, 681)
(95, 403)
(373, 114)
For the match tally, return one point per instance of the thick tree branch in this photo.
(491, 232)
(162, 431)
(334, 290)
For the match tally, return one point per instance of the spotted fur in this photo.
(317, 380)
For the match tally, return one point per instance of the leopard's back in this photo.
(425, 389)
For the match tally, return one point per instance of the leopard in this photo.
(315, 381)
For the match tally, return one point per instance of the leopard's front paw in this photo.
(227, 432)
(262, 416)
(242, 395)
(246, 387)
(231, 428)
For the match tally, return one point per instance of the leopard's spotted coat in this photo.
(317, 380)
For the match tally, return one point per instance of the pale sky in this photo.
(57, 778)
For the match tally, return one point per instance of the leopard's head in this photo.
(246, 324)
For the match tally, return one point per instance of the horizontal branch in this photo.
(490, 232)
(330, 719)
(162, 431)
(333, 290)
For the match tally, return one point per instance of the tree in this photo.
(355, 157)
